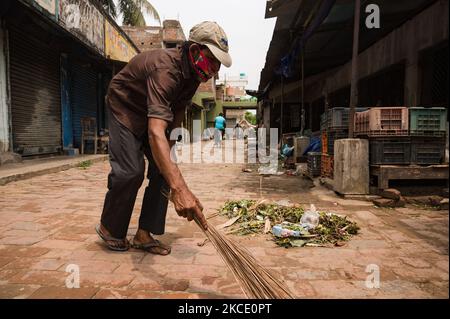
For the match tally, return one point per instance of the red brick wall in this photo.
(172, 31)
(145, 38)
(150, 38)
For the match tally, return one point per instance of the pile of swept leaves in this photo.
(250, 217)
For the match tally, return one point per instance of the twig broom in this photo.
(255, 281)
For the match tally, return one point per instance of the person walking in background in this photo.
(219, 129)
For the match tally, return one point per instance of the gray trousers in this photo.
(126, 156)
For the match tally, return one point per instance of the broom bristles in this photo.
(255, 281)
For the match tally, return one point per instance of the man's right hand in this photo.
(188, 206)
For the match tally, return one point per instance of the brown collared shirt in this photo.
(156, 84)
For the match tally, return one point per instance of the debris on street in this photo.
(293, 227)
(269, 170)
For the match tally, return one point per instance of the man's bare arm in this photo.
(186, 204)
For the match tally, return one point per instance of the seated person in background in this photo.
(288, 148)
(287, 152)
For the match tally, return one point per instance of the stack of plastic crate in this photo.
(427, 133)
(334, 126)
(388, 134)
(325, 158)
(333, 122)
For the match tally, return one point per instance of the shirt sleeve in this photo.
(162, 85)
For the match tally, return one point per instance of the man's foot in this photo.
(143, 240)
(112, 243)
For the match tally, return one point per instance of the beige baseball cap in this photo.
(209, 33)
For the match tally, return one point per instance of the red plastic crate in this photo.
(332, 136)
(324, 137)
(327, 166)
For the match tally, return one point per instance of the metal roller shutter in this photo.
(35, 94)
(83, 96)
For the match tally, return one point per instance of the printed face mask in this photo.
(201, 66)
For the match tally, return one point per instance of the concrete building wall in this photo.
(4, 113)
(427, 29)
(211, 114)
(236, 114)
(266, 115)
(209, 88)
(402, 45)
(219, 92)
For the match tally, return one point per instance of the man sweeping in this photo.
(147, 99)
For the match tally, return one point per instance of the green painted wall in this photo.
(241, 104)
(211, 115)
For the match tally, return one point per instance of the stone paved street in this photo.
(47, 223)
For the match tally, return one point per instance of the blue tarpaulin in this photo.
(315, 145)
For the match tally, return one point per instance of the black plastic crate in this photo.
(427, 150)
(313, 165)
(390, 150)
(335, 135)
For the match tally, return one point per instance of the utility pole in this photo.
(225, 87)
(302, 123)
(354, 79)
(282, 106)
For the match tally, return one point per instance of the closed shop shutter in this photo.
(83, 97)
(35, 94)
